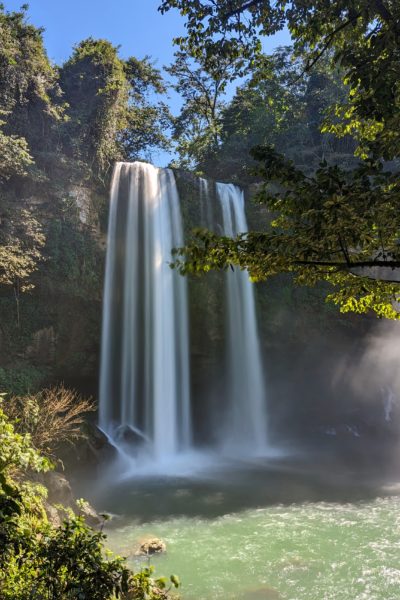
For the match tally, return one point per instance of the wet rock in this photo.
(151, 546)
(53, 515)
(59, 492)
(59, 489)
(87, 511)
(94, 450)
(130, 436)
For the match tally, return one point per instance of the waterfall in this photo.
(246, 418)
(144, 381)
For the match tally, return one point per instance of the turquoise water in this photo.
(303, 550)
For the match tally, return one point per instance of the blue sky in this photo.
(134, 25)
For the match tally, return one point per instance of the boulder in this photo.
(59, 489)
(150, 547)
(95, 449)
(53, 515)
(130, 436)
(60, 492)
(87, 511)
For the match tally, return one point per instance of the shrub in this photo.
(52, 417)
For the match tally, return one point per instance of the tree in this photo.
(333, 224)
(148, 121)
(14, 155)
(21, 244)
(198, 127)
(30, 97)
(362, 35)
(110, 115)
(277, 106)
(30, 108)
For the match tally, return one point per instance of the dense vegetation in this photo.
(339, 223)
(94, 109)
(65, 124)
(39, 560)
(275, 105)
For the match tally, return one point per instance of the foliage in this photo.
(95, 89)
(16, 452)
(21, 244)
(21, 508)
(30, 97)
(52, 417)
(147, 122)
(363, 38)
(73, 257)
(333, 225)
(39, 561)
(277, 106)
(66, 563)
(202, 85)
(66, 297)
(21, 380)
(110, 116)
(142, 586)
(95, 109)
(14, 155)
(218, 29)
(340, 238)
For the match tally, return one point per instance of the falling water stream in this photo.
(246, 423)
(144, 386)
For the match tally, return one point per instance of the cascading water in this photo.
(206, 206)
(144, 382)
(246, 420)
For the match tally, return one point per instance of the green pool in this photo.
(250, 534)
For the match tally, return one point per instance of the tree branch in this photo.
(391, 264)
(327, 45)
(242, 9)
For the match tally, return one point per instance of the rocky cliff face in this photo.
(59, 332)
(304, 340)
